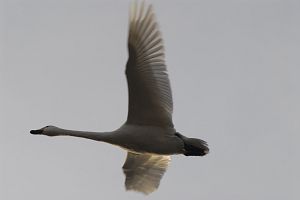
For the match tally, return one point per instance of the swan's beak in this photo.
(36, 132)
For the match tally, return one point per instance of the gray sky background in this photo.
(234, 70)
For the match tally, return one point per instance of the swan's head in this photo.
(47, 130)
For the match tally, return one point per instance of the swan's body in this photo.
(148, 134)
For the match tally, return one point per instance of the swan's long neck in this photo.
(98, 136)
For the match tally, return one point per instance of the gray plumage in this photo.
(148, 134)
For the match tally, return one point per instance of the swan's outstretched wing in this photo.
(143, 172)
(150, 97)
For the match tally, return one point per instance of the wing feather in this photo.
(150, 96)
(143, 172)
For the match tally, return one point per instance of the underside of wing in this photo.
(143, 172)
(150, 97)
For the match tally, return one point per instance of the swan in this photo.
(148, 135)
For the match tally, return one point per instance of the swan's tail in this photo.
(193, 146)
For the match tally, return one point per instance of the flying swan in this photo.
(148, 135)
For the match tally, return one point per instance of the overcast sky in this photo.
(234, 67)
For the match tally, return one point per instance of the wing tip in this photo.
(144, 192)
(139, 7)
(137, 13)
